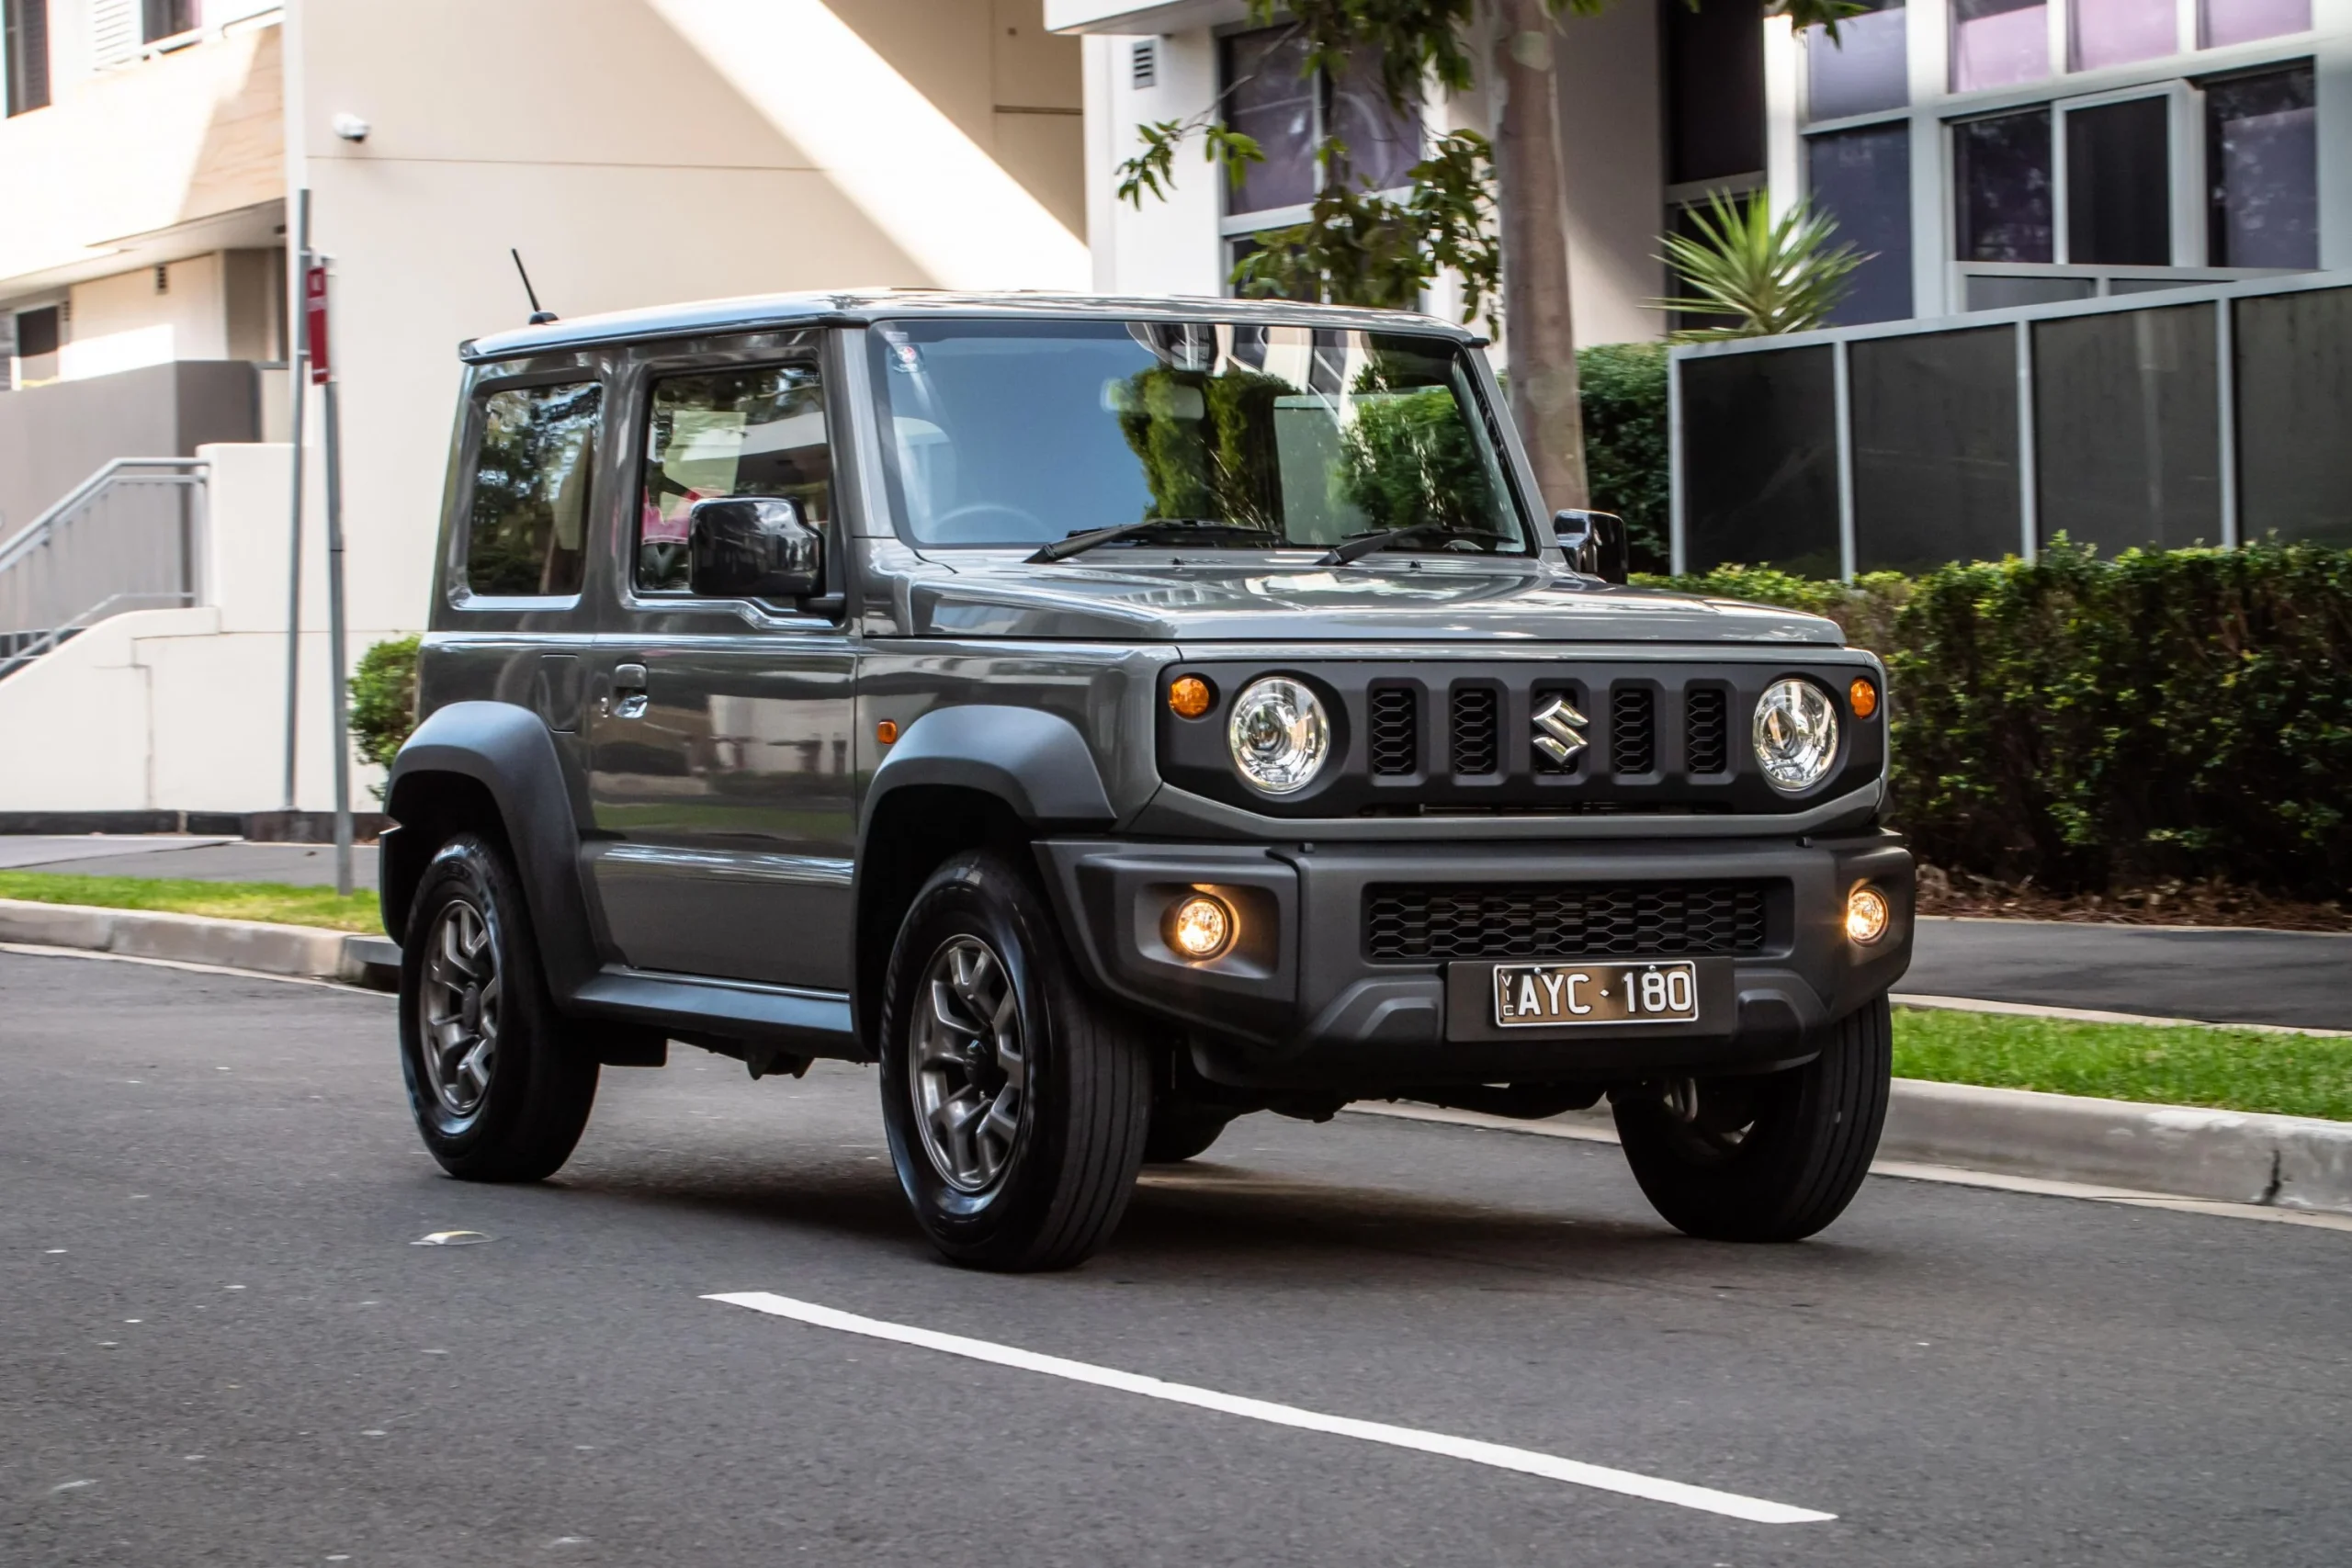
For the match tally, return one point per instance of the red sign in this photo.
(315, 311)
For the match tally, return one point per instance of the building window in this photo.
(1862, 178)
(1715, 90)
(2001, 172)
(1866, 68)
(166, 19)
(1997, 43)
(2241, 21)
(25, 24)
(2117, 32)
(2119, 184)
(1288, 113)
(2262, 155)
(39, 332)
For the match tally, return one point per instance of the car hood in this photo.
(1394, 600)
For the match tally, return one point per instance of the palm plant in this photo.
(1781, 276)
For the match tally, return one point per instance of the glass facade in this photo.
(1862, 178)
(1865, 68)
(2117, 32)
(2245, 21)
(1935, 446)
(1999, 43)
(1267, 98)
(1759, 460)
(2001, 179)
(2127, 429)
(2119, 184)
(2262, 158)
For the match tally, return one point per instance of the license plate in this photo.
(1546, 996)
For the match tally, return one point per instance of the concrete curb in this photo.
(2296, 1162)
(304, 952)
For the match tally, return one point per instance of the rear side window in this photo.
(722, 434)
(526, 525)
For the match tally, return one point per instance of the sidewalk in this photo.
(198, 860)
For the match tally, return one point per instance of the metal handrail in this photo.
(27, 548)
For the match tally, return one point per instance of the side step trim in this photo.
(815, 1022)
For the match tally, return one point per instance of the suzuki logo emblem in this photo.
(1559, 730)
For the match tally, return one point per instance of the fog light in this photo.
(1200, 927)
(1867, 915)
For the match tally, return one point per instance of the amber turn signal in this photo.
(1190, 697)
(1862, 696)
(887, 731)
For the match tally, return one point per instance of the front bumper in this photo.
(1298, 1002)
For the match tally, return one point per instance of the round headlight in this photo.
(1279, 735)
(1796, 733)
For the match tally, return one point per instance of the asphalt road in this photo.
(2300, 978)
(220, 1343)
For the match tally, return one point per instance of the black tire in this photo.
(1774, 1157)
(518, 1118)
(1048, 1191)
(1180, 1131)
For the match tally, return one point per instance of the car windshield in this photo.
(1024, 432)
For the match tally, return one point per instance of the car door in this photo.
(719, 745)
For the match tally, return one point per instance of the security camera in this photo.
(351, 128)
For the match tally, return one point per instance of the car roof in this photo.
(858, 307)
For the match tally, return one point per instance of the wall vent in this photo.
(1144, 63)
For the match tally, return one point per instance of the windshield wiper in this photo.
(1151, 530)
(1362, 545)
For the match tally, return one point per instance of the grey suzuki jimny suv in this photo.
(1111, 717)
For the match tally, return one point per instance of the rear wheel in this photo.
(1016, 1102)
(497, 1094)
(1770, 1157)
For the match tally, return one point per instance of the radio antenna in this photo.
(539, 316)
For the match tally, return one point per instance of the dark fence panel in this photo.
(1935, 449)
(1759, 460)
(2127, 429)
(2294, 409)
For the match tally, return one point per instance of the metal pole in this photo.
(300, 384)
(2028, 458)
(335, 680)
(1842, 404)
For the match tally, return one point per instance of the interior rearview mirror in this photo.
(753, 546)
(1594, 542)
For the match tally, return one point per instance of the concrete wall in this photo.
(183, 710)
(53, 437)
(1610, 117)
(639, 152)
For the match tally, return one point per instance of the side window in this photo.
(727, 433)
(527, 519)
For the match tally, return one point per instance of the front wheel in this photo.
(1771, 1157)
(498, 1093)
(1016, 1103)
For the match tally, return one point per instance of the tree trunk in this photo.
(1538, 326)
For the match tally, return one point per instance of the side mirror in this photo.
(753, 546)
(1594, 542)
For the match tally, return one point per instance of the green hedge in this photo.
(2089, 723)
(383, 699)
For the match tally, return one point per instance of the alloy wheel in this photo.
(457, 1010)
(970, 1082)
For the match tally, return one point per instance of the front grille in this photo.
(1396, 731)
(1666, 920)
(1706, 731)
(1477, 731)
(1632, 731)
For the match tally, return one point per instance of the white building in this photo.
(1988, 152)
(635, 152)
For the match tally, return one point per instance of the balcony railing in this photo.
(129, 537)
(2206, 415)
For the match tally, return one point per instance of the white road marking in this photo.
(1525, 1461)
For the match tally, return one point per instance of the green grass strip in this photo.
(275, 901)
(2229, 1069)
